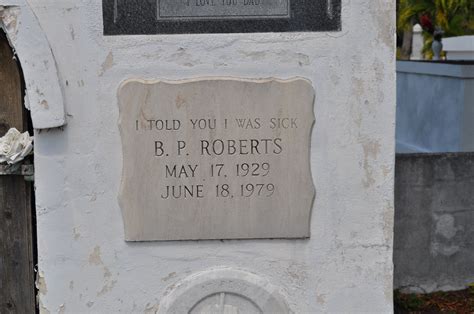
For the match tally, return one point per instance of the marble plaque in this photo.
(219, 9)
(216, 158)
(125, 17)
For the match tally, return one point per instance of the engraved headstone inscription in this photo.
(127, 17)
(216, 159)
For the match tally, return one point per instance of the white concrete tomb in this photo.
(96, 173)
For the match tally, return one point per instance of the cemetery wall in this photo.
(434, 222)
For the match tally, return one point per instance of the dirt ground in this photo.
(459, 302)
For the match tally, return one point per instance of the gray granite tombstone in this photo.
(219, 16)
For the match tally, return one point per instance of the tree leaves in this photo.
(455, 17)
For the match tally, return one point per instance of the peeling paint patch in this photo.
(169, 289)
(371, 150)
(388, 222)
(181, 57)
(9, 20)
(42, 308)
(321, 299)
(76, 233)
(26, 101)
(44, 104)
(284, 56)
(62, 309)
(254, 55)
(170, 276)
(42, 290)
(152, 308)
(107, 287)
(388, 287)
(94, 257)
(41, 284)
(386, 170)
(108, 63)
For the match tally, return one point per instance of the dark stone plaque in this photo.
(134, 17)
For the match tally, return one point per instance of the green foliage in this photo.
(454, 17)
(410, 10)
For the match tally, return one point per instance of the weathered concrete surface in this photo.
(345, 266)
(434, 221)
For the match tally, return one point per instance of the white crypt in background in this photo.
(459, 48)
(435, 100)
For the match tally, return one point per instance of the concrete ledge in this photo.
(461, 70)
(459, 48)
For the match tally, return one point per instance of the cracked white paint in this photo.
(346, 264)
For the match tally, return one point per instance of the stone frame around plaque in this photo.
(140, 17)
